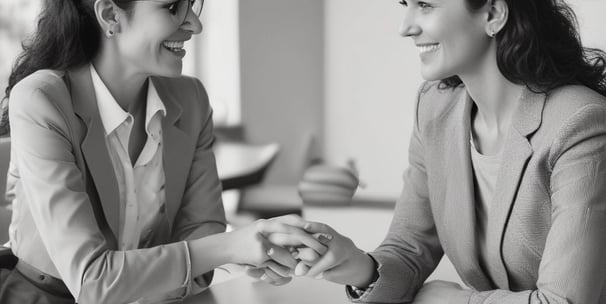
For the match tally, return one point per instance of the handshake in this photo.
(274, 250)
(278, 248)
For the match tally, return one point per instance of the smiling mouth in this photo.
(174, 46)
(428, 48)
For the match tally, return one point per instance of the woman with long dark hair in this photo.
(507, 172)
(112, 179)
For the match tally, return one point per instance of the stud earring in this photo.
(492, 34)
(109, 33)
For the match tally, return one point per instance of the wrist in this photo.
(365, 270)
(208, 253)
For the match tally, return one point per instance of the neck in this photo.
(126, 86)
(495, 97)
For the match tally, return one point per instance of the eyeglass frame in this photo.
(189, 6)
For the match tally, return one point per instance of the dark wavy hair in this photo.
(67, 35)
(540, 47)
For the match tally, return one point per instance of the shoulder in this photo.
(182, 88)
(573, 105)
(44, 81)
(39, 92)
(570, 98)
(187, 91)
(573, 115)
(435, 101)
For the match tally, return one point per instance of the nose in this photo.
(409, 26)
(192, 23)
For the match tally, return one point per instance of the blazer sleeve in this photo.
(411, 249)
(55, 192)
(572, 268)
(201, 212)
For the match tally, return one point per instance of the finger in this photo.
(325, 263)
(297, 240)
(273, 278)
(282, 256)
(281, 270)
(316, 227)
(255, 272)
(290, 219)
(301, 269)
(323, 238)
(297, 235)
(307, 255)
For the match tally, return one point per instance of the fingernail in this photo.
(263, 277)
(319, 276)
(307, 226)
(295, 254)
(328, 236)
(270, 251)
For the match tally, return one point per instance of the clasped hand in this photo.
(289, 245)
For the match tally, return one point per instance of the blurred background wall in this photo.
(281, 69)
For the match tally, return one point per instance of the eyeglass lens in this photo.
(186, 5)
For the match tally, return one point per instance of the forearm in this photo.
(210, 252)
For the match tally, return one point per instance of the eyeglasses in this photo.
(180, 8)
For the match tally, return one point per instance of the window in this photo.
(16, 22)
(212, 56)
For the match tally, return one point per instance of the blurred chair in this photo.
(5, 213)
(269, 200)
(241, 164)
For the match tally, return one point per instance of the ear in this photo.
(498, 13)
(107, 13)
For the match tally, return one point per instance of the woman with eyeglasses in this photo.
(507, 164)
(112, 179)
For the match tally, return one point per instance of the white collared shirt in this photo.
(141, 187)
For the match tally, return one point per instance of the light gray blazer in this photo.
(66, 199)
(546, 235)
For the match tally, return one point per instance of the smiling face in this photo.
(450, 39)
(151, 40)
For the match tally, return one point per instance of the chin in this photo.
(430, 74)
(171, 72)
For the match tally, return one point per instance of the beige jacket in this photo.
(65, 195)
(546, 235)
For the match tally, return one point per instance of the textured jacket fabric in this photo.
(546, 234)
(65, 195)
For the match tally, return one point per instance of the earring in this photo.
(492, 34)
(109, 33)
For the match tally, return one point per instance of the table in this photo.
(241, 164)
(244, 290)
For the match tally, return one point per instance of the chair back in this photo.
(5, 213)
(5, 156)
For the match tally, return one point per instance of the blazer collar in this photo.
(459, 209)
(175, 154)
(93, 148)
(460, 187)
(178, 150)
(517, 151)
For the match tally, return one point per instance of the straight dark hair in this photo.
(540, 47)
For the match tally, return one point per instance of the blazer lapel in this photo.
(94, 147)
(460, 216)
(177, 153)
(517, 151)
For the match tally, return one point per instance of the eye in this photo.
(404, 3)
(173, 7)
(424, 5)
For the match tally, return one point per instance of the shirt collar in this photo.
(112, 115)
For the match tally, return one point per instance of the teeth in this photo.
(428, 48)
(173, 45)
